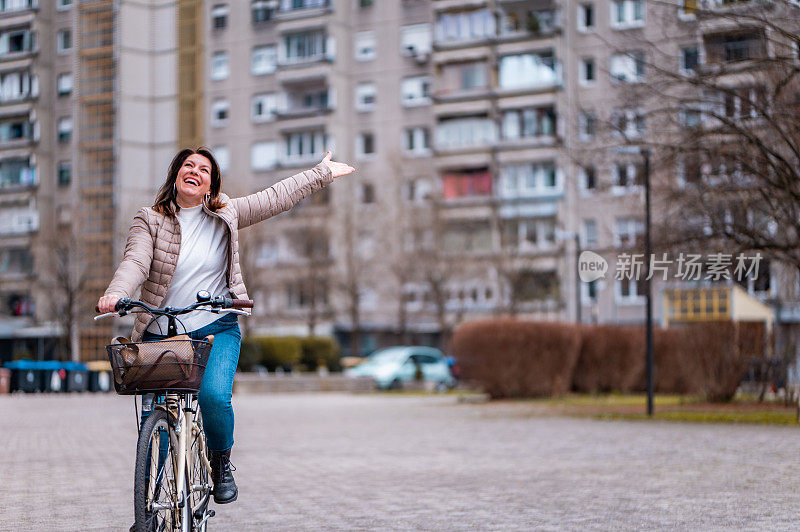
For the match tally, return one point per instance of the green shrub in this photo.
(317, 350)
(249, 355)
(277, 351)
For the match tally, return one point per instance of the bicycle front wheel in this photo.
(155, 494)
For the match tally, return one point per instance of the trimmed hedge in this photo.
(511, 358)
(275, 351)
(610, 360)
(289, 352)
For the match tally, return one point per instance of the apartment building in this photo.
(482, 131)
(88, 111)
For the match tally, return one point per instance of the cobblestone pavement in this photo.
(399, 462)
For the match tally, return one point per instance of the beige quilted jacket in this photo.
(154, 240)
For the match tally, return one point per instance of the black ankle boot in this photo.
(225, 489)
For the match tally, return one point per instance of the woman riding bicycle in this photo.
(188, 240)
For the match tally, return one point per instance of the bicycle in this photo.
(172, 484)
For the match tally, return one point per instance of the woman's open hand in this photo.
(337, 169)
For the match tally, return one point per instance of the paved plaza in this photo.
(404, 462)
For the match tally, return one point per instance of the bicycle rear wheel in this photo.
(155, 495)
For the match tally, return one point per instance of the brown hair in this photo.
(167, 200)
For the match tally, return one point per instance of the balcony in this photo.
(17, 44)
(16, 133)
(17, 174)
(722, 49)
(465, 134)
(305, 48)
(521, 24)
(467, 185)
(18, 86)
(294, 9)
(17, 7)
(529, 72)
(304, 100)
(18, 221)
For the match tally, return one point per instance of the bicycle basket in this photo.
(172, 364)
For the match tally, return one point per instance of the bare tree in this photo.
(66, 283)
(311, 245)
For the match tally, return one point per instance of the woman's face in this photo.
(193, 181)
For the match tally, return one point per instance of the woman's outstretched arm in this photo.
(284, 194)
(135, 265)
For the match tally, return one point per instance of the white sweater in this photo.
(201, 265)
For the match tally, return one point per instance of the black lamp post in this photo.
(646, 153)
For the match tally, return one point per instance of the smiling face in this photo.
(193, 181)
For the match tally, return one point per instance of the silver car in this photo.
(393, 366)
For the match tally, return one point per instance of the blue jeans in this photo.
(217, 387)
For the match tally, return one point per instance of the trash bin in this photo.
(53, 375)
(99, 375)
(77, 376)
(25, 376)
(5, 381)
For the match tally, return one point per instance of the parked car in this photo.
(393, 366)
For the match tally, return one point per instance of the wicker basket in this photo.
(173, 364)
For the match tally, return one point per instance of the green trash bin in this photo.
(99, 376)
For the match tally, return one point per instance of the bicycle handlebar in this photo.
(125, 305)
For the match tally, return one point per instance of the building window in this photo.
(303, 146)
(262, 10)
(263, 107)
(690, 59)
(415, 41)
(64, 84)
(365, 3)
(467, 183)
(590, 232)
(365, 46)
(462, 76)
(586, 125)
(64, 41)
(365, 96)
(465, 25)
(528, 70)
(628, 123)
(219, 66)
(220, 110)
(529, 123)
(64, 4)
(365, 145)
(64, 173)
(264, 155)
(367, 193)
(585, 17)
(417, 141)
(529, 179)
(588, 178)
(587, 75)
(304, 46)
(627, 177)
(465, 132)
(629, 232)
(627, 14)
(219, 16)
(688, 9)
(263, 60)
(64, 129)
(415, 91)
(223, 156)
(628, 67)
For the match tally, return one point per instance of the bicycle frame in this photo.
(184, 422)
